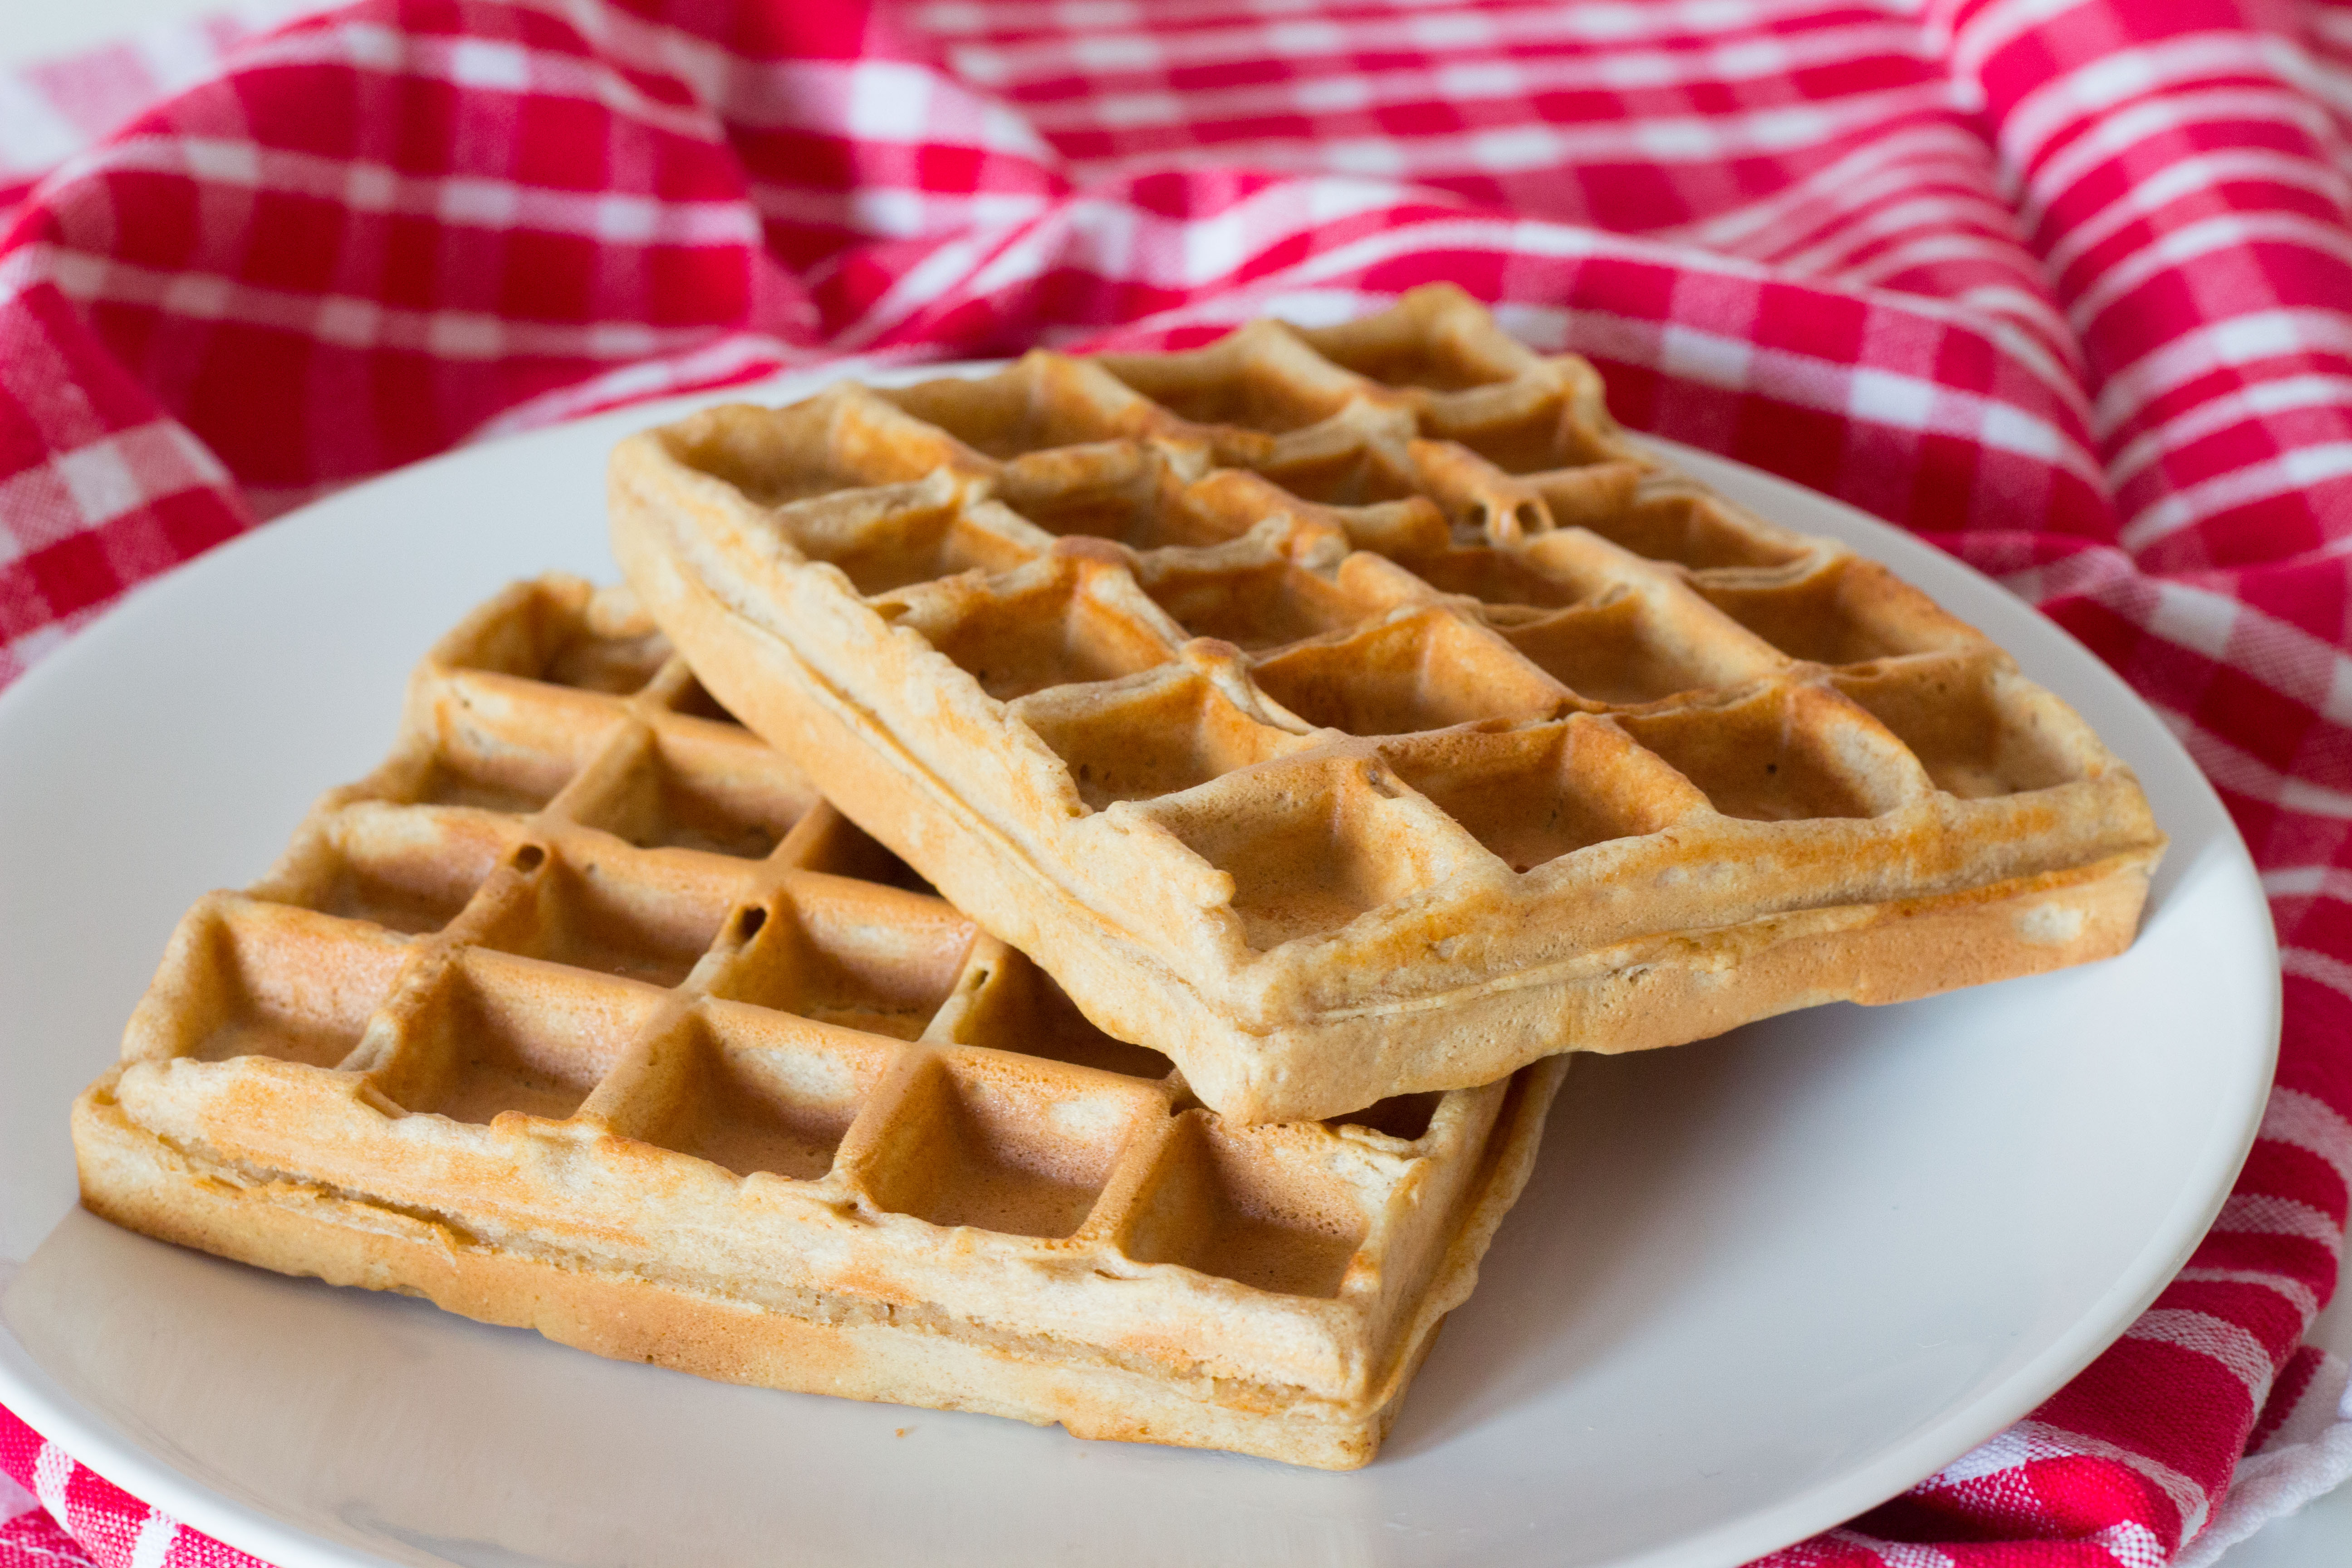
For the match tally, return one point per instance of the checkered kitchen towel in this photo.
(2064, 284)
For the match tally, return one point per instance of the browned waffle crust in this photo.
(1353, 712)
(584, 1014)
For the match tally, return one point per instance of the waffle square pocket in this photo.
(1355, 712)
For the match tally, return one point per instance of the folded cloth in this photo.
(2066, 286)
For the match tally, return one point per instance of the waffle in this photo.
(1355, 712)
(585, 1014)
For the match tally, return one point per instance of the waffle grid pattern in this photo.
(582, 908)
(1363, 640)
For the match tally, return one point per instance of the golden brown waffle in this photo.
(1353, 712)
(584, 1014)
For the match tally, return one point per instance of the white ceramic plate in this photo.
(1756, 1286)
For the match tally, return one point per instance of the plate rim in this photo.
(2163, 1257)
(134, 1462)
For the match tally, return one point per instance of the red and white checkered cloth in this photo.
(2064, 284)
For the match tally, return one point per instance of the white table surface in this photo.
(32, 31)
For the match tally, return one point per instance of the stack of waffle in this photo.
(1352, 719)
